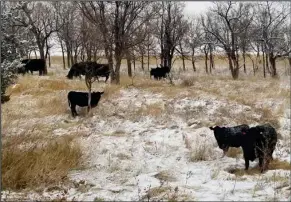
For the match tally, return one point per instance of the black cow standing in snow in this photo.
(256, 142)
(229, 136)
(259, 142)
(81, 99)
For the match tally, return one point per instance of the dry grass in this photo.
(154, 109)
(274, 165)
(200, 152)
(165, 176)
(188, 81)
(38, 166)
(155, 192)
(54, 105)
(234, 152)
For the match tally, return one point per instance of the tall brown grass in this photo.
(38, 166)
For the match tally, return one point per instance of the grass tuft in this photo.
(38, 165)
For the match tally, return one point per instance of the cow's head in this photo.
(95, 97)
(97, 94)
(219, 133)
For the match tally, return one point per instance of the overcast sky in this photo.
(196, 7)
(191, 8)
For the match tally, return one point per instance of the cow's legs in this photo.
(247, 161)
(31, 72)
(106, 78)
(73, 110)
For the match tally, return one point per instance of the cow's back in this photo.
(35, 64)
(78, 98)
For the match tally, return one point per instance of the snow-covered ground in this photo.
(132, 153)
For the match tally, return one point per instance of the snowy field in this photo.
(154, 143)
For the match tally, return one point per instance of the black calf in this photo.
(81, 99)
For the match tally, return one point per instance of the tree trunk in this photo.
(193, 63)
(211, 58)
(82, 55)
(169, 61)
(142, 62)
(183, 62)
(63, 54)
(72, 58)
(267, 63)
(128, 59)
(264, 66)
(89, 86)
(42, 56)
(35, 55)
(89, 53)
(273, 65)
(244, 59)
(49, 59)
(148, 60)
(206, 61)
(133, 61)
(68, 58)
(193, 60)
(116, 77)
(233, 66)
(95, 55)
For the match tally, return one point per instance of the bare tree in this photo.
(225, 23)
(37, 16)
(273, 19)
(194, 39)
(118, 21)
(172, 27)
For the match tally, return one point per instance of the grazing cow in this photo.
(260, 142)
(34, 65)
(159, 72)
(81, 99)
(93, 68)
(229, 136)
(77, 69)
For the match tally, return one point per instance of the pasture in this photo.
(146, 139)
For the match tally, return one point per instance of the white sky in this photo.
(196, 7)
(191, 8)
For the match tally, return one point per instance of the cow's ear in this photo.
(211, 128)
(101, 93)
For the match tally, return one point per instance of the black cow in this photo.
(81, 99)
(259, 142)
(159, 72)
(102, 71)
(256, 142)
(93, 68)
(34, 65)
(229, 136)
(76, 70)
